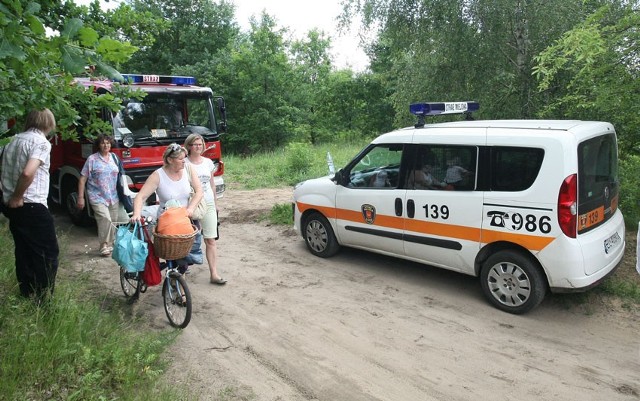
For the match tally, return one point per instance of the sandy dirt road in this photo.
(360, 326)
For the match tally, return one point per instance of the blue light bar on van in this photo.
(439, 108)
(158, 79)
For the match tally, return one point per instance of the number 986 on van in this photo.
(527, 206)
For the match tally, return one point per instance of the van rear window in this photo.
(598, 183)
(514, 169)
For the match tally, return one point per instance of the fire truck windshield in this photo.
(166, 117)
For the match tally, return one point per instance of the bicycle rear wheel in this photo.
(177, 300)
(130, 283)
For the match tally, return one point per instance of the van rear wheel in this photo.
(319, 236)
(512, 282)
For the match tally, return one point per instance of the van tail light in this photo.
(568, 206)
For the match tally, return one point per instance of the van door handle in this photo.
(398, 207)
(411, 208)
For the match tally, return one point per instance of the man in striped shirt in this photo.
(25, 183)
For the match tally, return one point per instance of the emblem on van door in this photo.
(369, 213)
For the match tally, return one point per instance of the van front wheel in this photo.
(319, 236)
(512, 282)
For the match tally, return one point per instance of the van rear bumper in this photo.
(584, 283)
(575, 285)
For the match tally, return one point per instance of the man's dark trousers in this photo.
(36, 248)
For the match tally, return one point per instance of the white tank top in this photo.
(169, 189)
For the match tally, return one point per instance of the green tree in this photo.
(592, 72)
(123, 23)
(255, 76)
(36, 68)
(355, 105)
(311, 68)
(193, 31)
(265, 76)
(439, 50)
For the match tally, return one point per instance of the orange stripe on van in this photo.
(443, 230)
(380, 220)
(327, 211)
(531, 242)
(353, 215)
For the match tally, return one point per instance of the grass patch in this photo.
(287, 166)
(620, 288)
(281, 214)
(78, 345)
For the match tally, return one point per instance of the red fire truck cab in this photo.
(173, 108)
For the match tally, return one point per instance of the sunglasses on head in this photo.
(174, 148)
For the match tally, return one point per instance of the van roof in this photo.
(564, 125)
(578, 129)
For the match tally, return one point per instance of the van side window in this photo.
(443, 168)
(514, 169)
(421, 175)
(379, 167)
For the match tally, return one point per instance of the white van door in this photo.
(366, 206)
(444, 211)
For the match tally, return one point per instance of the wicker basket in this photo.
(172, 247)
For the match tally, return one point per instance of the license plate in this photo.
(591, 218)
(612, 242)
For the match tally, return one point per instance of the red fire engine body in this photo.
(173, 108)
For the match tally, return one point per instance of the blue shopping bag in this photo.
(130, 249)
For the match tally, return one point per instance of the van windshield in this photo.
(598, 182)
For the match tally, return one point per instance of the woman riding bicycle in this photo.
(171, 183)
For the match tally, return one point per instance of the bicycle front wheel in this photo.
(130, 282)
(177, 300)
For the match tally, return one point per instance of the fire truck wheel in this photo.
(78, 217)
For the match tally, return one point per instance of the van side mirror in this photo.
(338, 177)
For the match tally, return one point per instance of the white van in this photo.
(526, 205)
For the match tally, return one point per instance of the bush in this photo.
(282, 214)
(630, 190)
(79, 345)
(298, 157)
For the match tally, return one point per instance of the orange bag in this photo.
(174, 221)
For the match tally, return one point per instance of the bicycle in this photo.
(175, 292)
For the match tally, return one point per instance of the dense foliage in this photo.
(36, 67)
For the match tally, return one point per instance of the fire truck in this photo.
(173, 108)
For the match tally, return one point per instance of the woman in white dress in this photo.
(205, 168)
